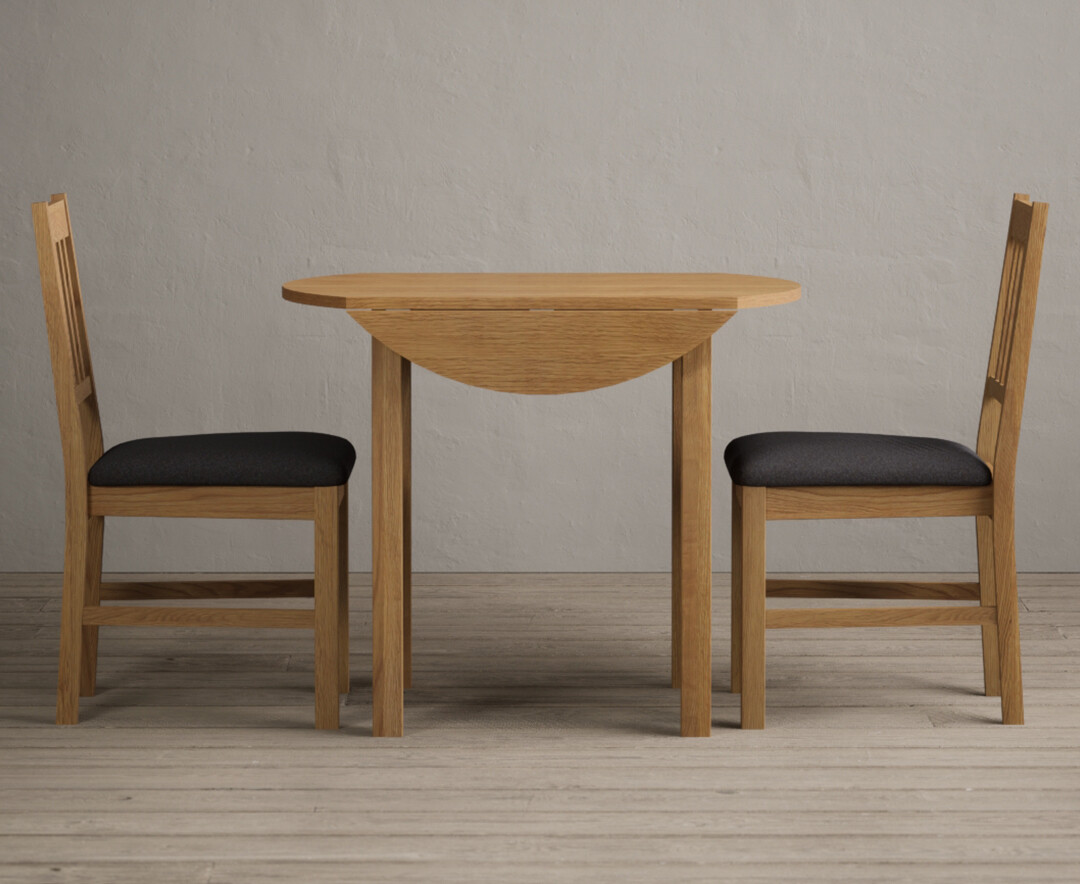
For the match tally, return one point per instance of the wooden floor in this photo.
(541, 746)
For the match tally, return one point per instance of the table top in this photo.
(541, 291)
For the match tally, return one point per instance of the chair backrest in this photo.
(1006, 375)
(73, 373)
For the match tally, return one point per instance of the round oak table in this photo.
(542, 333)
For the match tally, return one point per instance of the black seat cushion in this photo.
(786, 459)
(287, 459)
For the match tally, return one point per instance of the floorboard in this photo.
(541, 745)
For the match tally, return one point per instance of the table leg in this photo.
(676, 518)
(389, 398)
(406, 519)
(693, 531)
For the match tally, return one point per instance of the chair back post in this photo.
(73, 373)
(1006, 373)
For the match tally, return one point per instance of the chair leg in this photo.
(736, 592)
(327, 601)
(676, 629)
(1008, 615)
(82, 537)
(343, 592)
(406, 620)
(752, 568)
(984, 531)
(94, 546)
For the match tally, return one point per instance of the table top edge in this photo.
(591, 291)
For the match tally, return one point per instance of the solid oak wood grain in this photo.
(203, 502)
(540, 334)
(541, 291)
(999, 428)
(877, 502)
(142, 615)
(84, 389)
(327, 598)
(72, 627)
(984, 538)
(541, 352)
(1007, 608)
(993, 507)
(86, 506)
(752, 615)
(342, 582)
(95, 539)
(951, 615)
(81, 443)
(388, 399)
(695, 536)
(59, 225)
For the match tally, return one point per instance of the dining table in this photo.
(545, 334)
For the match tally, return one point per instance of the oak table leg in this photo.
(676, 518)
(389, 384)
(406, 521)
(694, 532)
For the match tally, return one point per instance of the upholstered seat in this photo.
(286, 459)
(792, 459)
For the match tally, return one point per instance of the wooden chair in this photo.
(229, 475)
(857, 476)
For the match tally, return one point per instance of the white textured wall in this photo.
(212, 151)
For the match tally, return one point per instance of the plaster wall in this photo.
(212, 151)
